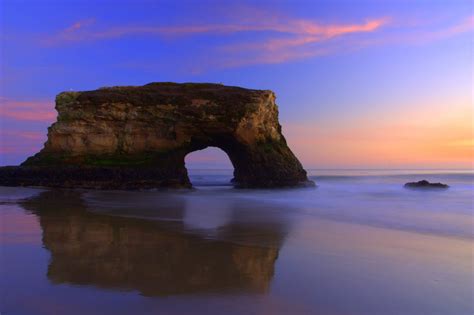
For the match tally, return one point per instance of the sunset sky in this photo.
(359, 84)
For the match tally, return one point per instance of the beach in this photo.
(358, 243)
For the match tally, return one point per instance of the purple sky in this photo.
(360, 84)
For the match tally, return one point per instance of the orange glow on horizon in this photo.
(420, 139)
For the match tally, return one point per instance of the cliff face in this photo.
(139, 137)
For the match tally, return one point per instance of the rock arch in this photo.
(208, 158)
(138, 137)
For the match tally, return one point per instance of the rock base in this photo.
(91, 177)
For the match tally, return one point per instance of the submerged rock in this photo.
(425, 184)
(138, 137)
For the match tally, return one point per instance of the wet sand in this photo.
(343, 248)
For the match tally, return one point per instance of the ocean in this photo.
(358, 243)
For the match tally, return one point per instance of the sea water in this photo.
(358, 243)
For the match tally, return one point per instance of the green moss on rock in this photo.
(65, 98)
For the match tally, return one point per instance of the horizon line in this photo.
(359, 169)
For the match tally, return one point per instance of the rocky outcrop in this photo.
(425, 184)
(138, 137)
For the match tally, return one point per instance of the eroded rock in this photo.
(138, 137)
(425, 184)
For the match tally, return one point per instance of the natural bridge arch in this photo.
(209, 167)
(138, 137)
(208, 158)
(251, 169)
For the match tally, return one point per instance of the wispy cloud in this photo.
(281, 38)
(267, 37)
(467, 25)
(41, 111)
(88, 30)
(18, 137)
(420, 36)
(18, 144)
(29, 135)
(70, 33)
(306, 39)
(307, 32)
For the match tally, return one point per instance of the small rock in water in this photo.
(425, 184)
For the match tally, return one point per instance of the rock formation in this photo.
(425, 184)
(138, 137)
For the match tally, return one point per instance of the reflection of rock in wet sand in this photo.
(138, 254)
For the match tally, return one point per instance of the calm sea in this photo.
(358, 243)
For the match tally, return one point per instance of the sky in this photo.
(359, 84)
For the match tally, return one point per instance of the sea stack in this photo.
(425, 184)
(132, 137)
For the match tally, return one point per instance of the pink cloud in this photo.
(29, 135)
(285, 34)
(279, 50)
(78, 33)
(70, 33)
(466, 25)
(306, 32)
(42, 111)
(255, 21)
(283, 39)
(20, 143)
(416, 36)
(326, 31)
(266, 57)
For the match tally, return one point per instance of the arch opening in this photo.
(210, 166)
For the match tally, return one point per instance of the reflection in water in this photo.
(138, 254)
